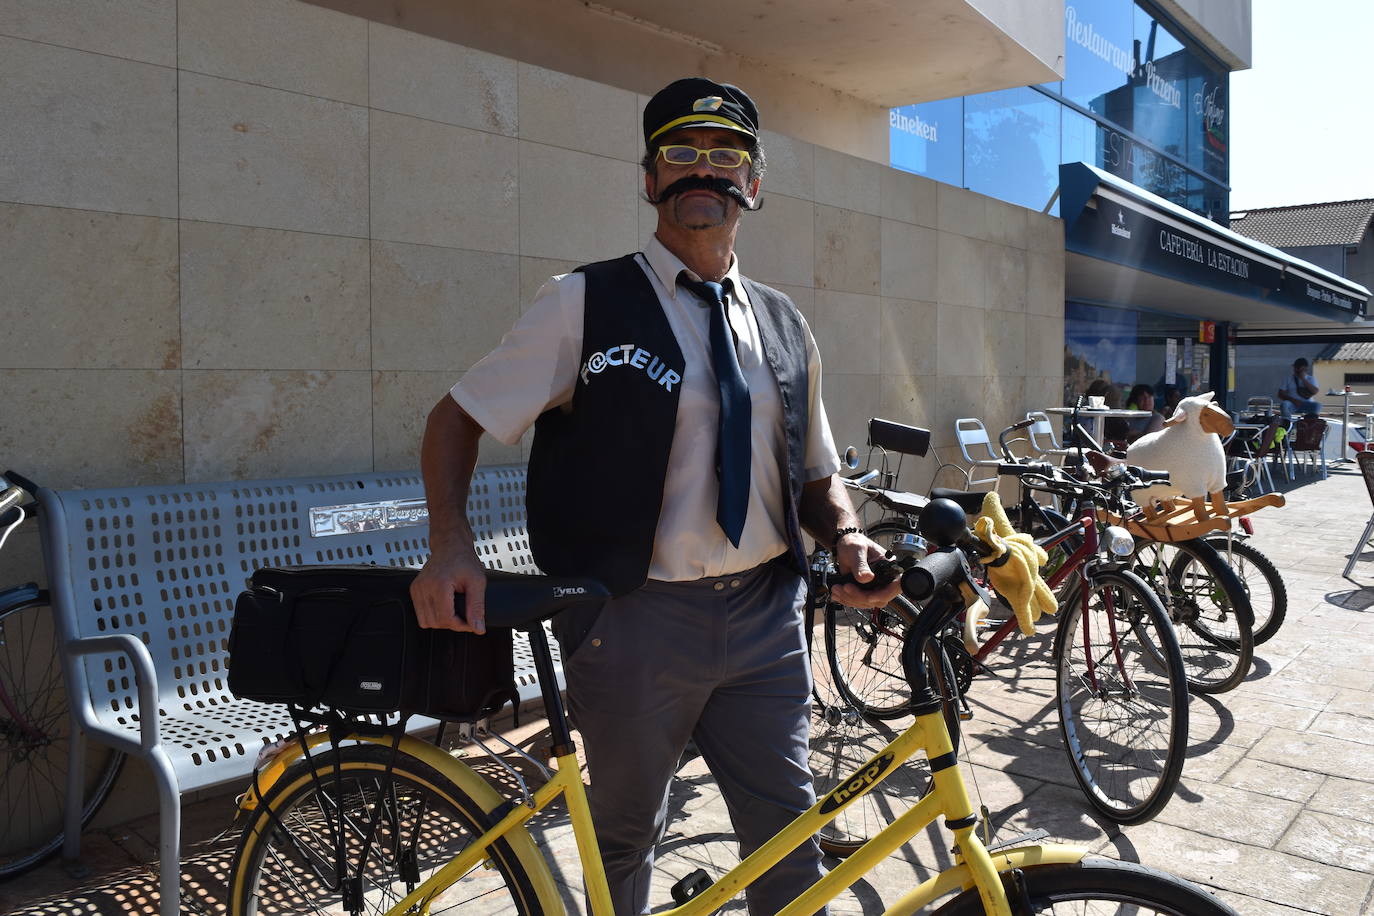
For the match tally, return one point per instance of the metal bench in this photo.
(143, 582)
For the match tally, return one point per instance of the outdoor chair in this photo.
(976, 448)
(1306, 443)
(1247, 451)
(1042, 437)
(1259, 405)
(1366, 460)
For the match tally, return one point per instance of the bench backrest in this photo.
(165, 564)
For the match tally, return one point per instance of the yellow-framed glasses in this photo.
(722, 157)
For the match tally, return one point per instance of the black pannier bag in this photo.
(346, 637)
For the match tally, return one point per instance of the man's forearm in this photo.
(448, 455)
(825, 509)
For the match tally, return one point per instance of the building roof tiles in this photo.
(1341, 222)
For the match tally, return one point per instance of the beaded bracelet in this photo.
(843, 531)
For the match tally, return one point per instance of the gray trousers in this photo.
(722, 661)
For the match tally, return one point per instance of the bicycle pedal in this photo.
(1025, 839)
(690, 886)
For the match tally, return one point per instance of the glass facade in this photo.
(1136, 100)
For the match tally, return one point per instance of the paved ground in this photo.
(1275, 810)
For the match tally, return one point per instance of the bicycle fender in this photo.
(960, 878)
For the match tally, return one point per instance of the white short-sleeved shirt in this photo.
(1290, 384)
(535, 368)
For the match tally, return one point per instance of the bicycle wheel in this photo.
(1122, 697)
(35, 731)
(416, 820)
(1100, 887)
(1263, 583)
(843, 740)
(1210, 610)
(863, 649)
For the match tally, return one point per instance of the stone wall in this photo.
(260, 238)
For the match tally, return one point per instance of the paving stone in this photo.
(1274, 780)
(1319, 753)
(1328, 838)
(1254, 906)
(1285, 879)
(1229, 813)
(1267, 712)
(1343, 725)
(1208, 762)
(1346, 797)
(1351, 702)
(1293, 691)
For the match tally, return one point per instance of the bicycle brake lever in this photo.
(885, 572)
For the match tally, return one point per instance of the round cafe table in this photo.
(1091, 419)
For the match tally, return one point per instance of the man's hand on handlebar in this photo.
(445, 576)
(855, 555)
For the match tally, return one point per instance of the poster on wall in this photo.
(1170, 360)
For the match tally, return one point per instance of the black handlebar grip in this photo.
(931, 573)
(1145, 476)
(21, 481)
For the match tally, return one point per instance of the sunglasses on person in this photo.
(722, 157)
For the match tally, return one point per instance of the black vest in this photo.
(596, 472)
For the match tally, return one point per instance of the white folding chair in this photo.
(1366, 460)
(1042, 437)
(976, 448)
(1259, 405)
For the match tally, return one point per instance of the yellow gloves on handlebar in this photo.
(1014, 565)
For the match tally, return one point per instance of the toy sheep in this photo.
(1189, 448)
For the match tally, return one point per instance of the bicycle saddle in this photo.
(518, 600)
(971, 501)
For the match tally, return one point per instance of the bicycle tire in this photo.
(1211, 613)
(842, 740)
(863, 648)
(35, 740)
(1125, 717)
(1262, 580)
(1119, 887)
(301, 863)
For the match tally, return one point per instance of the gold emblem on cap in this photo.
(710, 103)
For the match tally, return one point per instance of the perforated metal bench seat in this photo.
(144, 579)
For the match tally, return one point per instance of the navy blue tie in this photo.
(732, 442)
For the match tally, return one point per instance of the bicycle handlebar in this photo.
(933, 572)
(1015, 427)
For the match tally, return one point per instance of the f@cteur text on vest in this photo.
(634, 357)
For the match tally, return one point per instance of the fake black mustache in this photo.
(699, 183)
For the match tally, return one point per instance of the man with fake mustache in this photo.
(680, 448)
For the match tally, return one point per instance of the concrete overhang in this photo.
(885, 52)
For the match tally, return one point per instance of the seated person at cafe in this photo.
(1298, 390)
(1142, 397)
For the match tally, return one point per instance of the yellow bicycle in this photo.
(360, 820)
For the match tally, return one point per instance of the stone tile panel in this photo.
(262, 157)
(847, 182)
(1228, 813)
(1006, 223)
(415, 74)
(436, 184)
(791, 166)
(1275, 780)
(908, 338)
(776, 245)
(268, 299)
(1005, 279)
(849, 401)
(535, 272)
(1318, 753)
(301, 47)
(908, 198)
(909, 267)
(101, 427)
(144, 30)
(905, 399)
(439, 309)
(87, 131)
(401, 402)
(554, 108)
(88, 290)
(962, 270)
(575, 206)
(961, 211)
(1045, 284)
(1005, 345)
(1045, 347)
(848, 251)
(847, 329)
(960, 332)
(250, 424)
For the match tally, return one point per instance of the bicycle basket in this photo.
(346, 637)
